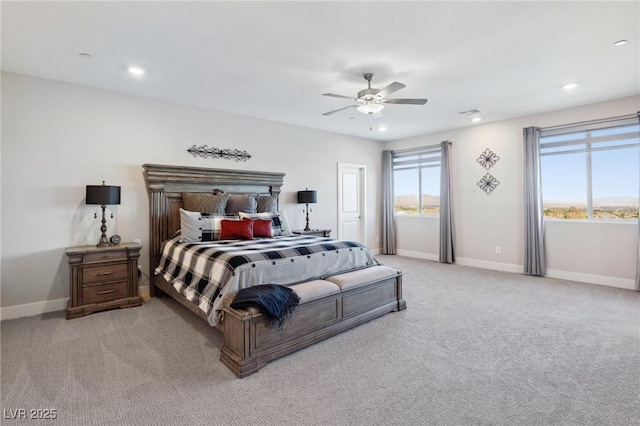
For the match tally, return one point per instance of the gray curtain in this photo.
(446, 218)
(534, 253)
(638, 260)
(388, 219)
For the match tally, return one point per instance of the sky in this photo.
(615, 173)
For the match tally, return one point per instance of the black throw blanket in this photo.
(275, 301)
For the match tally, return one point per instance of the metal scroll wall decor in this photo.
(488, 183)
(228, 154)
(487, 160)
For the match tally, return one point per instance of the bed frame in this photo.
(245, 348)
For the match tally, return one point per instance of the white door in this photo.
(351, 202)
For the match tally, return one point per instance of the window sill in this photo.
(596, 221)
(417, 216)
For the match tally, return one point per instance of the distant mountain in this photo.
(598, 202)
(412, 200)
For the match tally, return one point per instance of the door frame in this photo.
(362, 171)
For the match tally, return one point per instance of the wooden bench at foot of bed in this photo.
(327, 307)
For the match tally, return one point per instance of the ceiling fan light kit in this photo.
(370, 108)
(370, 100)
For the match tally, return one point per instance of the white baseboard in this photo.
(39, 308)
(31, 309)
(628, 284)
(592, 279)
(486, 264)
(144, 291)
(419, 255)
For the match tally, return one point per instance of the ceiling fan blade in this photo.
(338, 96)
(405, 101)
(393, 87)
(338, 110)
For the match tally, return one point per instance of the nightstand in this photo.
(103, 278)
(318, 232)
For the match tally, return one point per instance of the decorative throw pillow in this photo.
(205, 203)
(236, 230)
(196, 227)
(237, 203)
(267, 203)
(262, 228)
(284, 223)
(274, 217)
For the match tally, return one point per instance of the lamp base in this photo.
(103, 238)
(306, 228)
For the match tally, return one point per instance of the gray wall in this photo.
(58, 137)
(601, 253)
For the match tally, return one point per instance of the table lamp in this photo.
(103, 195)
(307, 197)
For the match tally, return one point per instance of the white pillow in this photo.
(197, 227)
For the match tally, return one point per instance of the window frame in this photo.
(585, 145)
(427, 157)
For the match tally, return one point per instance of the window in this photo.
(416, 182)
(591, 172)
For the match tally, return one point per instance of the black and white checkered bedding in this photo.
(206, 273)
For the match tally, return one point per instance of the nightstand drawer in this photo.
(102, 292)
(113, 272)
(105, 255)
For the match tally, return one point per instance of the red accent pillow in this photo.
(236, 230)
(261, 227)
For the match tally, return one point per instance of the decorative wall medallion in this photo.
(228, 154)
(488, 183)
(488, 159)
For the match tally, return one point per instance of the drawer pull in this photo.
(106, 291)
(106, 273)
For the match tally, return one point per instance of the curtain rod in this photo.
(421, 148)
(582, 123)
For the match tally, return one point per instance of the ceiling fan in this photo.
(369, 101)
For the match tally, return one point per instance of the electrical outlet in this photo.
(498, 251)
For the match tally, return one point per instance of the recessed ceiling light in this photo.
(569, 86)
(382, 129)
(136, 71)
(476, 119)
(620, 42)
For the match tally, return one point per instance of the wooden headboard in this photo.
(165, 185)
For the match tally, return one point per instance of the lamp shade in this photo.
(103, 194)
(307, 197)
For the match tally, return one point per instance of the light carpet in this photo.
(474, 347)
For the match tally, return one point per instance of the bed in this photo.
(340, 283)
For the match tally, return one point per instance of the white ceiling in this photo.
(273, 60)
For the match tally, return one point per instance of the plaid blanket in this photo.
(206, 273)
